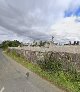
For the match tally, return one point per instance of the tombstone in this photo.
(74, 43)
(77, 43)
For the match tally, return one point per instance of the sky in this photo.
(28, 20)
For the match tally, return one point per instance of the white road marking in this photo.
(2, 89)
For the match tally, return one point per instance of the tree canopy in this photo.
(6, 44)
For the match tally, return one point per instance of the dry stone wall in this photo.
(63, 53)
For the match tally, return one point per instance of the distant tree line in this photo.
(40, 43)
(8, 43)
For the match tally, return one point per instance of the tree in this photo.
(6, 44)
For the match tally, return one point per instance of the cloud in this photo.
(67, 29)
(73, 9)
(32, 19)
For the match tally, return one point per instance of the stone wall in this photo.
(64, 54)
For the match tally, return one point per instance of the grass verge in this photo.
(58, 79)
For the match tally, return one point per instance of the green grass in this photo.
(58, 78)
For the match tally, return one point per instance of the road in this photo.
(13, 78)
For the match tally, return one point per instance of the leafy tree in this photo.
(6, 44)
(42, 43)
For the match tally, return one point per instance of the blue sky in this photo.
(28, 20)
(73, 12)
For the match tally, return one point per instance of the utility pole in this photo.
(52, 38)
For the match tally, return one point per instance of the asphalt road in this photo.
(13, 78)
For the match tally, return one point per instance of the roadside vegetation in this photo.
(62, 74)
